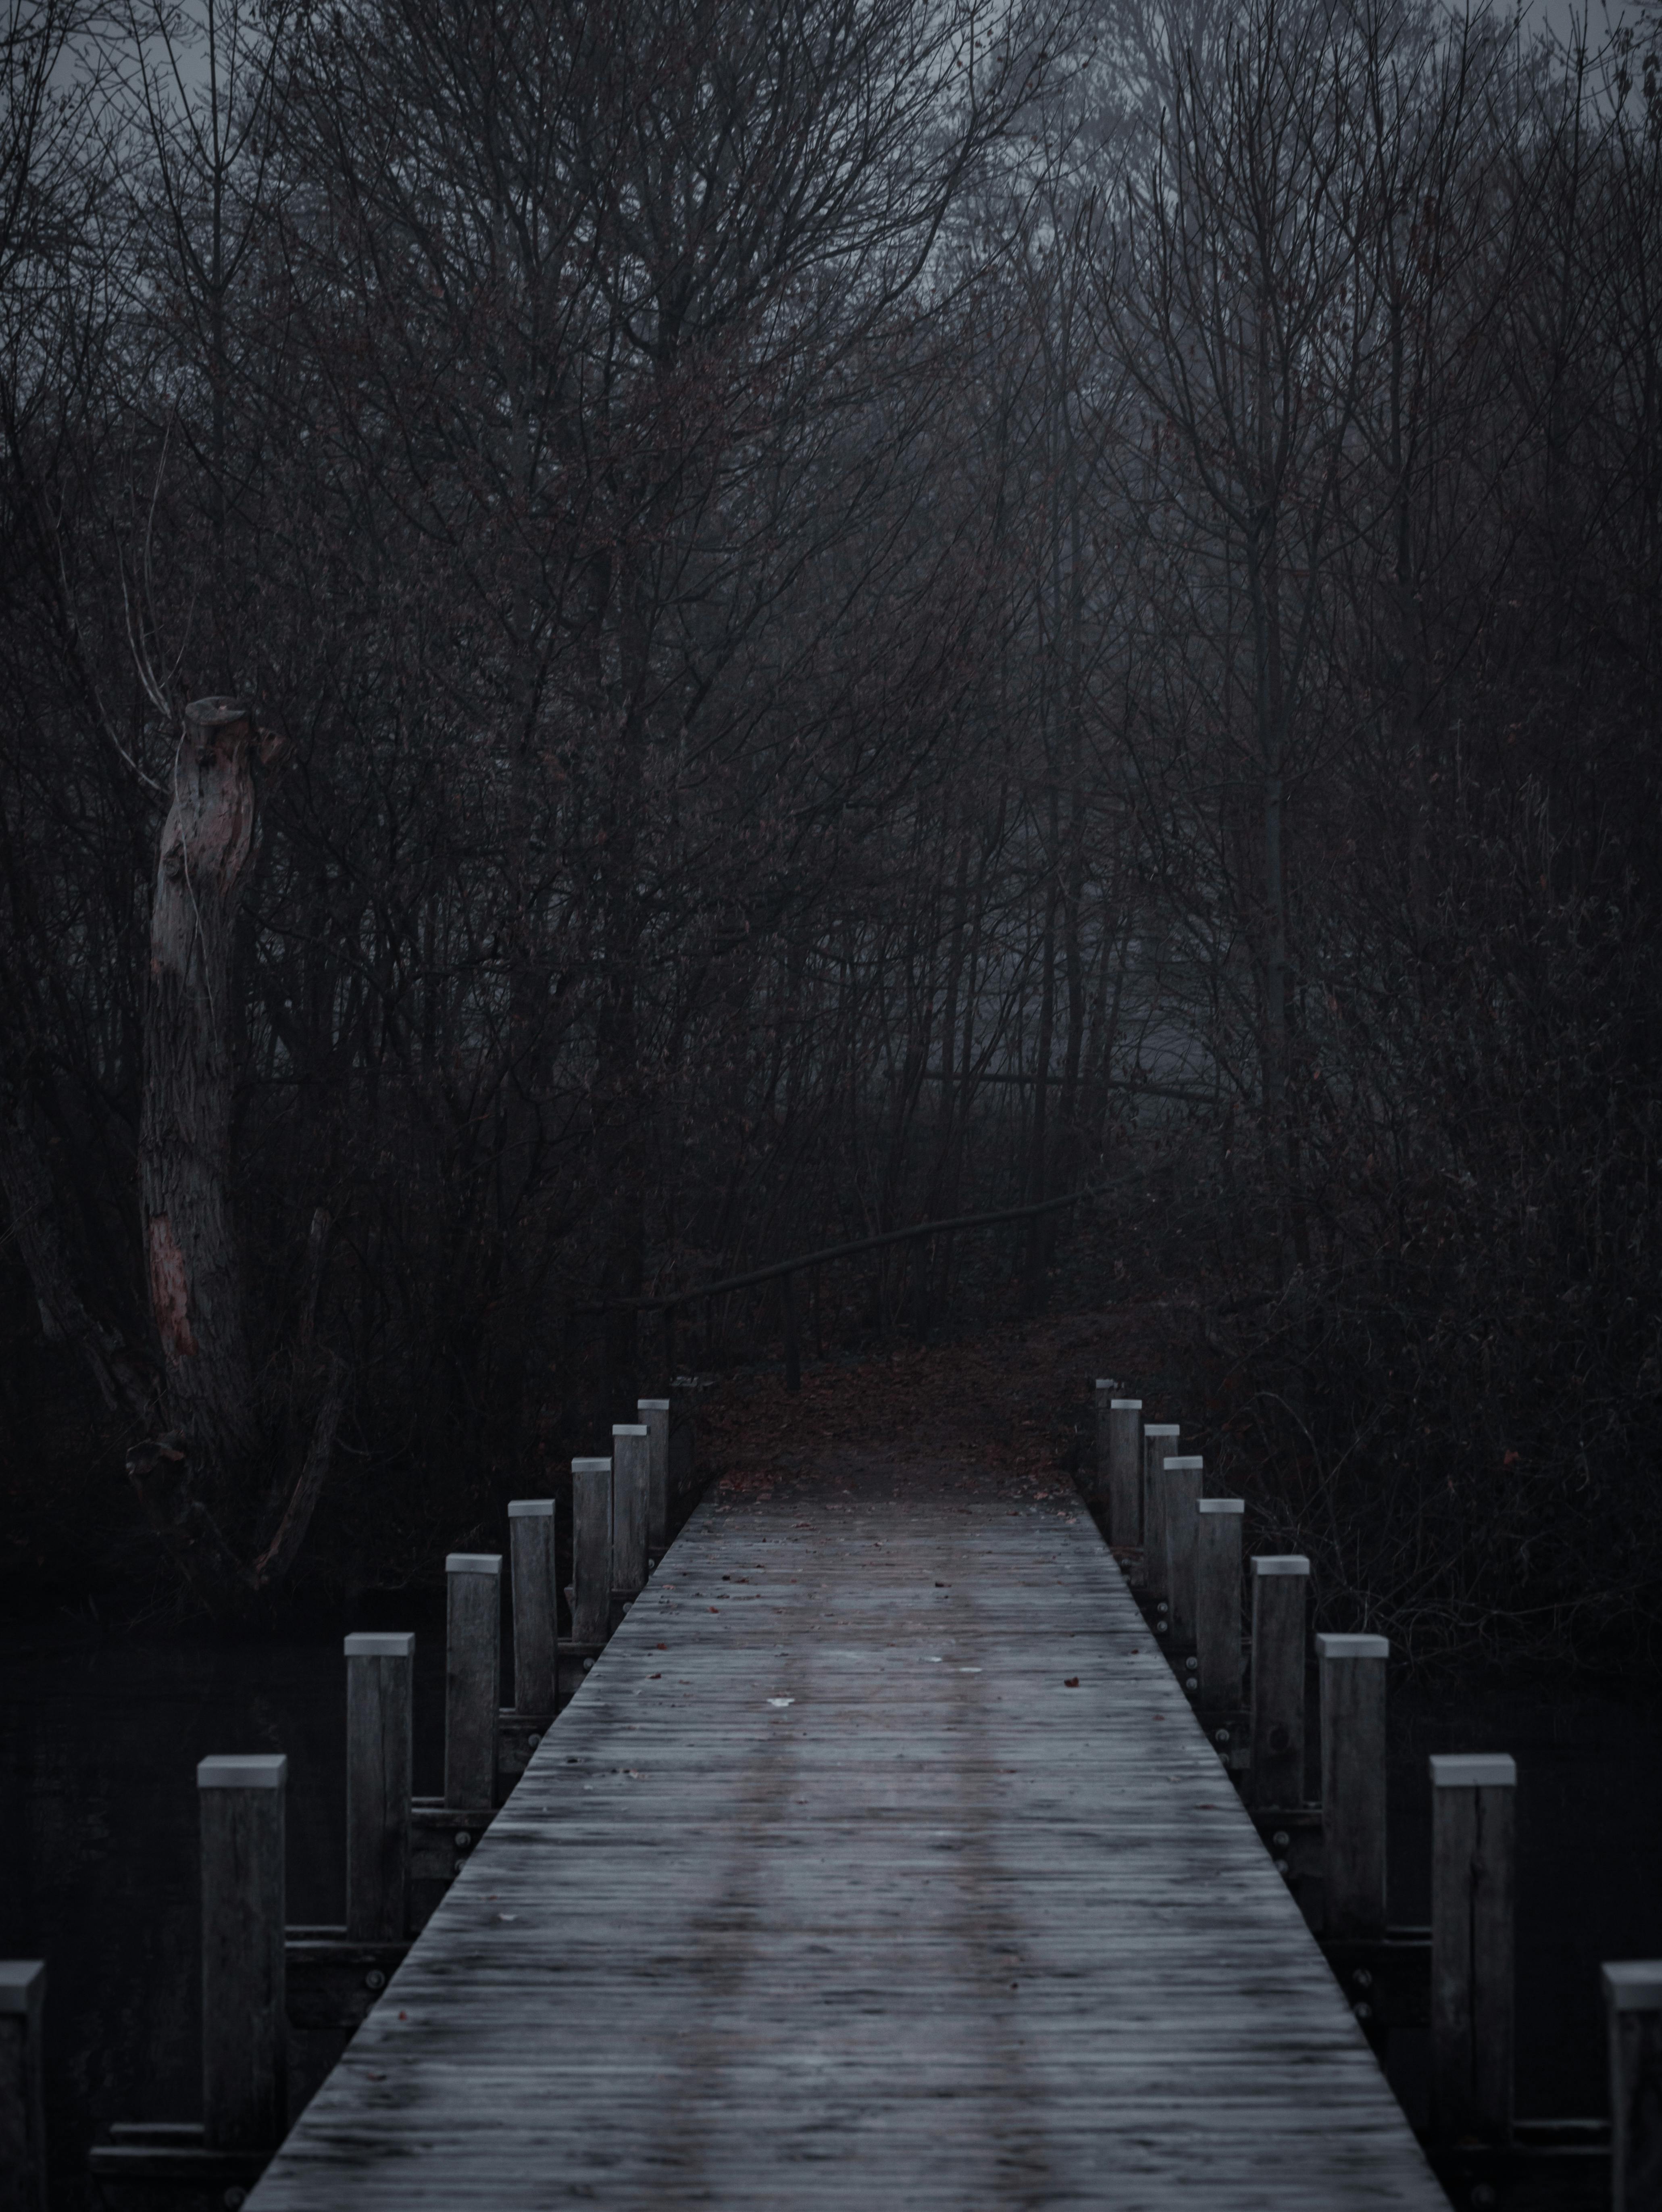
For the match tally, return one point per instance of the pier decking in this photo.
(879, 1863)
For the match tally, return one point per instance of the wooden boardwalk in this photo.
(830, 1888)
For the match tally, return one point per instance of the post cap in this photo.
(652, 1405)
(1480, 1770)
(1125, 1405)
(1630, 1984)
(258, 1770)
(1280, 1563)
(1184, 1463)
(628, 1428)
(1222, 1504)
(1161, 1428)
(380, 1643)
(23, 1983)
(473, 1563)
(591, 1466)
(1353, 1647)
(530, 1508)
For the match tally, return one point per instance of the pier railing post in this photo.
(244, 2022)
(631, 1493)
(1159, 1441)
(1217, 1601)
(592, 1550)
(473, 1668)
(535, 1606)
(655, 1412)
(1125, 1471)
(1096, 1490)
(1181, 1480)
(1280, 1583)
(1353, 1771)
(1473, 1799)
(22, 2103)
(380, 1671)
(1633, 2012)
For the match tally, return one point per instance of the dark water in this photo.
(1589, 1867)
(99, 1737)
(99, 1742)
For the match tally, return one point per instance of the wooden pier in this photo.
(880, 1861)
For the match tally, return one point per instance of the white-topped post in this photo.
(535, 1614)
(1125, 1471)
(1096, 1490)
(245, 2018)
(631, 1489)
(473, 1669)
(1473, 1829)
(1280, 1583)
(1183, 1481)
(592, 1550)
(1352, 1673)
(22, 2095)
(1217, 1601)
(1633, 2014)
(379, 1701)
(655, 1412)
(1159, 1444)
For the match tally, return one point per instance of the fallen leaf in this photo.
(1071, 1683)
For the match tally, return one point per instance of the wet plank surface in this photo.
(828, 1889)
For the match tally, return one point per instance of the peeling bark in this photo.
(184, 1132)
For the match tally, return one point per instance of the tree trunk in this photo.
(184, 1130)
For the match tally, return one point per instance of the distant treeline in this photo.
(843, 611)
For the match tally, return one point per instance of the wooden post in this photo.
(1352, 1767)
(592, 1550)
(1125, 1471)
(244, 2021)
(1633, 2012)
(655, 1412)
(1096, 1489)
(1182, 1479)
(535, 1606)
(631, 1491)
(1159, 1439)
(473, 1669)
(1473, 1800)
(1217, 1601)
(1279, 1585)
(22, 2103)
(379, 1673)
(792, 1338)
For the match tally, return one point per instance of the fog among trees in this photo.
(844, 612)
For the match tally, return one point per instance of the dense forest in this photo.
(816, 615)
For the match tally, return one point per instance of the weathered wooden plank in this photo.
(878, 1861)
